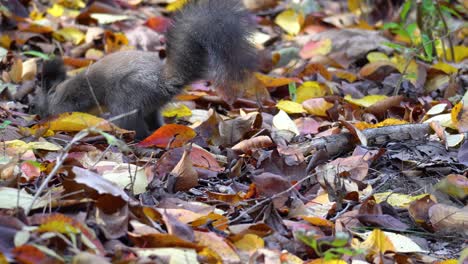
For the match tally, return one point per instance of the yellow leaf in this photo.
(350, 77)
(310, 89)
(176, 5)
(176, 110)
(5, 41)
(75, 4)
(56, 10)
(366, 101)
(397, 199)
(22, 146)
(69, 34)
(354, 6)
(386, 122)
(377, 56)
(76, 121)
(250, 243)
(290, 21)
(378, 242)
(447, 68)
(36, 14)
(461, 53)
(448, 261)
(459, 116)
(290, 107)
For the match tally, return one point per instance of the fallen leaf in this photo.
(315, 48)
(310, 89)
(252, 144)
(290, 107)
(282, 121)
(366, 101)
(317, 106)
(170, 135)
(186, 175)
(290, 21)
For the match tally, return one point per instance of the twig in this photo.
(340, 213)
(58, 164)
(400, 80)
(92, 91)
(266, 200)
(446, 29)
(60, 159)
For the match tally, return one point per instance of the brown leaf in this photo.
(380, 108)
(177, 228)
(419, 211)
(187, 176)
(269, 184)
(448, 218)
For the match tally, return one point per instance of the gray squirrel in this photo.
(207, 39)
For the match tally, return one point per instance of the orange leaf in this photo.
(217, 244)
(217, 221)
(270, 81)
(248, 145)
(29, 254)
(35, 28)
(158, 23)
(204, 159)
(379, 70)
(77, 62)
(176, 135)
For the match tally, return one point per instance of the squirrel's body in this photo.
(207, 39)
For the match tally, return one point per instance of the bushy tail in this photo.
(53, 73)
(209, 39)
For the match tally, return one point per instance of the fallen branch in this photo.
(344, 142)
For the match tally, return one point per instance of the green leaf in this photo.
(292, 91)
(395, 46)
(429, 7)
(405, 10)
(402, 32)
(428, 46)
(410, 29)
(449, 10)
(38, 54)
(411, 76)
(5, 124)
(391, 25)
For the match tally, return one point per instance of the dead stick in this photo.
(344, 142)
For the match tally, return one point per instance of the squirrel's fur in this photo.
(207, 39)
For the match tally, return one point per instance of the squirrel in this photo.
(208, 38)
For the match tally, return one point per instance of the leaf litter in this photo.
(350, 145)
